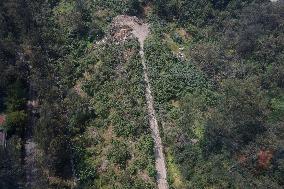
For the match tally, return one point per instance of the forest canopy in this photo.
(73, 94)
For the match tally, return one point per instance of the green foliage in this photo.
(152, 171)
(184, 11)
(116, 140)
(277, 105)
(146, 145)
(225, 102)
(119, 153)
(16, 122)
(15, 105)
(244, 109)
(12, 170)
(219, 105)
(114, 6)
(171, 78)
(16, 97)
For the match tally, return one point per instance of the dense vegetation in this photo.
(116, 142)
(220, 103)
(216, 70)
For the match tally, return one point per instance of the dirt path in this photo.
(141, 31)
(30, 146)
(31, 171)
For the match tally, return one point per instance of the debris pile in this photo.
(123, 28)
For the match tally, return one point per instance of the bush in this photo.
(152, 171)
(146, 145)
(16, 122)
(119, 153)
(16, 97)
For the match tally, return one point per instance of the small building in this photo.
(2, 131)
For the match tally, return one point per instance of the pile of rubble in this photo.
(123, 28)
(120, 34)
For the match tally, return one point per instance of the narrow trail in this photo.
(30, 146)
(141, 31)
(159, 154)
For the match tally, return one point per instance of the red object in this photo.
(264, 158)
(2, 119)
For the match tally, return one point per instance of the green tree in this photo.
(240, 117)
(119, 153)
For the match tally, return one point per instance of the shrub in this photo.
(119, 153)
(15, 122)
